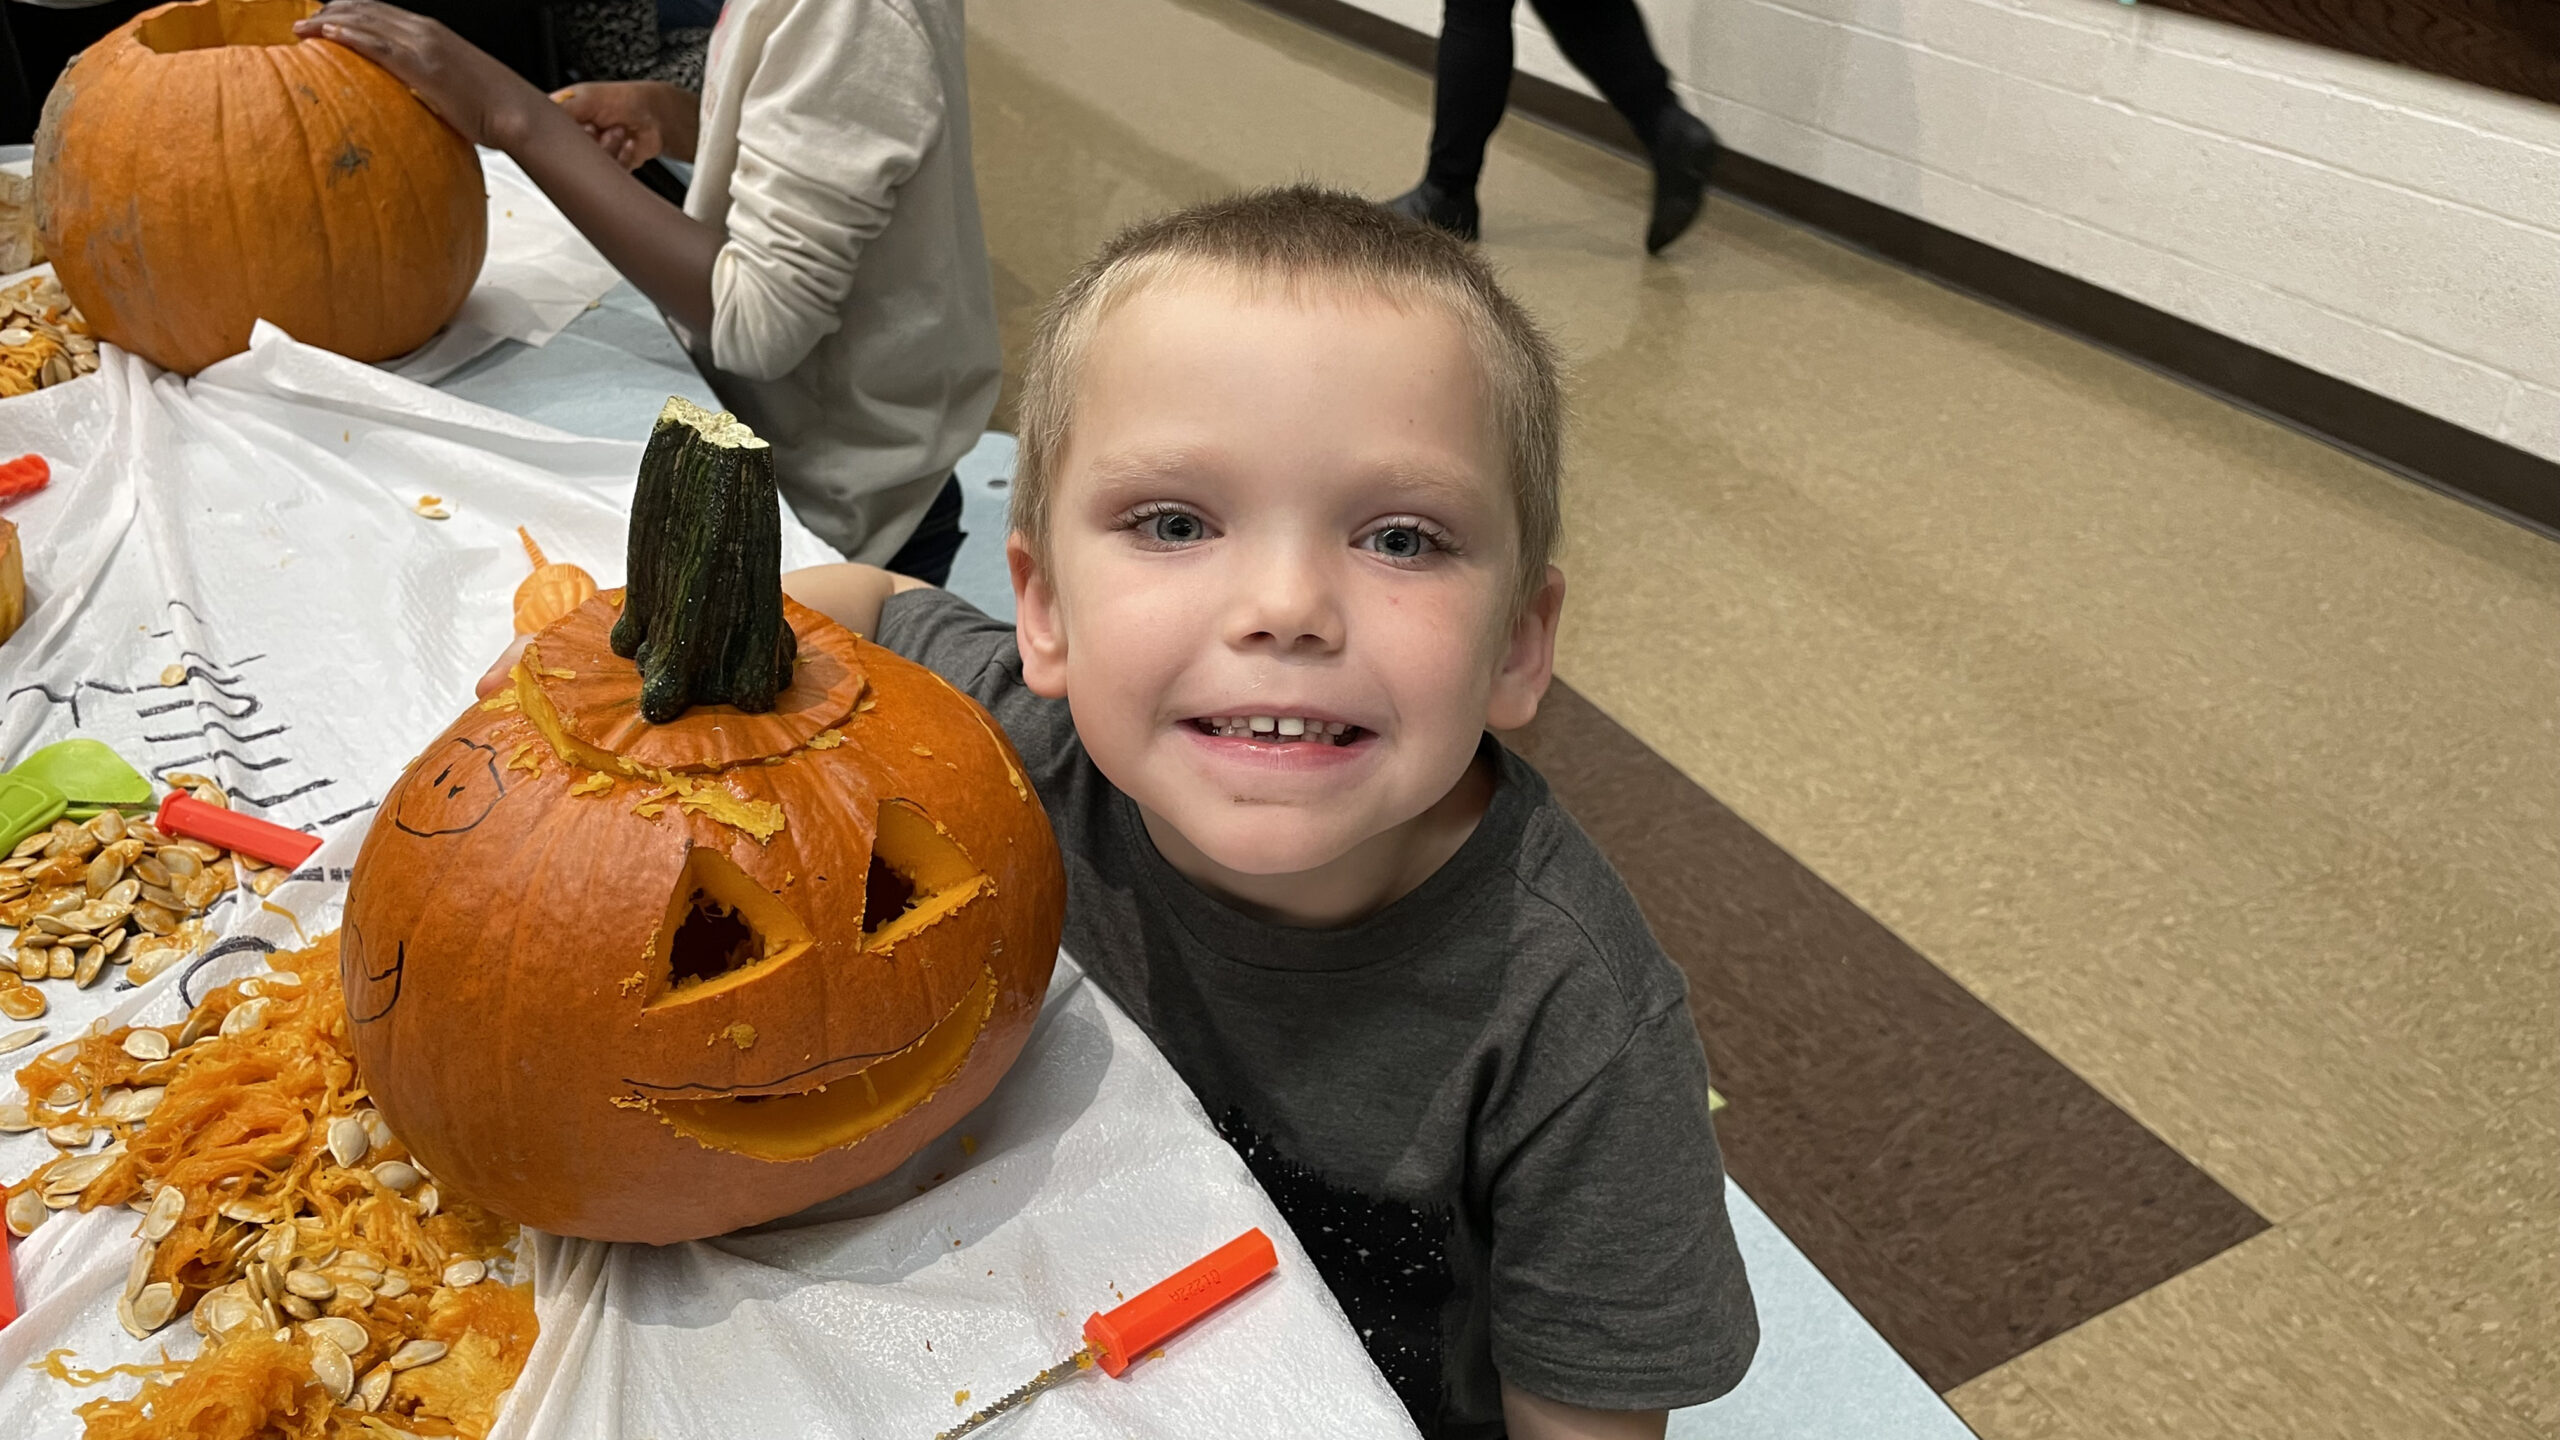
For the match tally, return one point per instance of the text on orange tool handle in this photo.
(182, 814)
(1191, 1292)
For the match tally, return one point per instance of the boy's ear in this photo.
(1529, 662)
(1038, 629)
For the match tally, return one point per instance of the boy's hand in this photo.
(464, 85)
(634, 120)
(495, 678)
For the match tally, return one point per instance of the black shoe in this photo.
(1684, 160)
(1438, 209)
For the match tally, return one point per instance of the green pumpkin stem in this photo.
(703, 613)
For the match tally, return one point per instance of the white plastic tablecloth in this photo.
(255, 529)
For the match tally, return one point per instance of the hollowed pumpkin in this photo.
(653, 980)
(201, 168)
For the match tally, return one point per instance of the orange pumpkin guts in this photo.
(650, 981)
(200, 169)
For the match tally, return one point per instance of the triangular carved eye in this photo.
(721, 928)
(918, 875)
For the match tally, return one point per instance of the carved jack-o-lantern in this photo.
(643, 980)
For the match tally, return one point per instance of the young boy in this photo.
(1286, 497)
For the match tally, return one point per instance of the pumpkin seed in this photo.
(245, 1018)
(70, 1177)
(107, 825)
(310, 1285)
(70, 1135)
(375, 1389)
(27, 1210)
(104, 871)
(463, 1274)
(331, 1367)
(153, 1308)
(148, 871)
(23, 1003)
(427, 1199)
(395, 1175)
(137, 1271)
(86, 972)
(139, 1105)
(64, 964)
(298, 1307)
(17, 1040)
(392, 1287)
(167, 1209)
(225, 1312)
(157, 911)
(148, 962)
(147, 1044)
(415, 1354)
(32, 846)
(32, 960)
(14, 1119)
(347, 1140)
(355, 1295)
(375, 1126)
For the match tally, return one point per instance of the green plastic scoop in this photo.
(26, 806)
(77, 778)
(90, 776)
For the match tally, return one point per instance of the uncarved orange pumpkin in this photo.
(767, 968)
(200, 169)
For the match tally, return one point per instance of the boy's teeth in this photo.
(1278, 728)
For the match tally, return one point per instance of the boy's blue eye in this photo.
(1174, 527)
(1401, 542)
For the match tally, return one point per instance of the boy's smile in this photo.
(1279, 589)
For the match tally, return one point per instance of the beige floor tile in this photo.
(2260, 1343)
(2000, 1406)
(2286, 1104)
(2463, 1248)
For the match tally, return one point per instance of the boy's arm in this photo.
(849, 594)
(659, 248)
(1531, 1417)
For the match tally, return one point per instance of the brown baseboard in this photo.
(2407, 441)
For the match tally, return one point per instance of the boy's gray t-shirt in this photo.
(1483, 1109)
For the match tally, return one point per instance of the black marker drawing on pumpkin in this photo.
(458, 797)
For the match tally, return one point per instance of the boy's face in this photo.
(1292, 508)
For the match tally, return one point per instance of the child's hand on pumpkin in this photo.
(464, 85)
(496, 677)
(634, 120)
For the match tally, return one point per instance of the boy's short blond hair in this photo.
(1300, 237)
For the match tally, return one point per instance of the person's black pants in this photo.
(1605, 39)
(928, 553)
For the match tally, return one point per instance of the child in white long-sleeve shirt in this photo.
(828, 268)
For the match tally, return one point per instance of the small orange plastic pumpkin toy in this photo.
(720, 910)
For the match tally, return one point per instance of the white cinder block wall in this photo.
(2386, 226)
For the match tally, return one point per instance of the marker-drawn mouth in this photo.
(830, 1104)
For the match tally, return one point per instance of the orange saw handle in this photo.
(1193, 1291)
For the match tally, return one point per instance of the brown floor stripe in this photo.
(1970, 1195)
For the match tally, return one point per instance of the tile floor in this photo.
(2218, 762)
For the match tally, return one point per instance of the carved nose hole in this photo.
(918, 875)
(721, 928)
(712, 941)
(886, 895)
